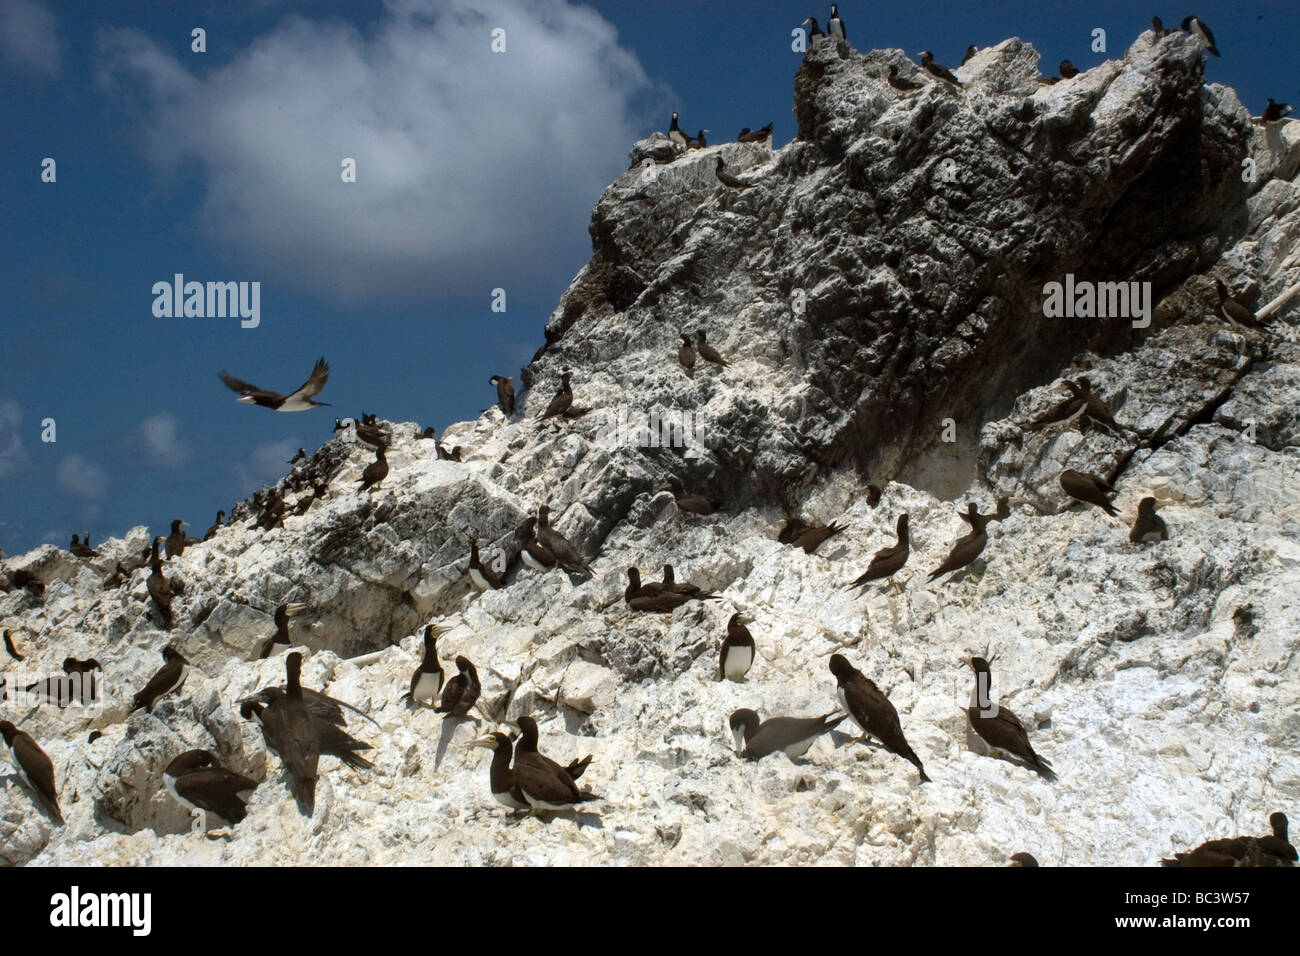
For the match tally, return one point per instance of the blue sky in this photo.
(476, 170)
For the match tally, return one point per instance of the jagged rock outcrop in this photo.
(885, 272)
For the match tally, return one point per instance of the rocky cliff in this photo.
(878, 292)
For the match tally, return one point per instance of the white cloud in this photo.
(11, 439)
(82, 479)
(467, 160)
(28, 40)
(162, 440)
(268, 463)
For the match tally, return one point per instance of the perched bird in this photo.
(178, 539)
(273, 508)
(1272, 850)
(1093, 407)
(445, 454)
(737, 648)
(695, 504)
(9, 646)
(171, 676)
(1149, 526)
(1158, 27)
(707, 351)
(528, 744)
(979, 522)
(936, 70)
(887, 561)
(970, 52)
(1022, 859)
(669, 583)
(813, 29)
(160, 588)
(699, 142)
(324, 709)
(898, 83)
(1089, 489)
(216, 526)
(33, 766)
(748, 135)
(558, 546)
(1233, 310)
(301, 454)
(563, 399)
(291, 732)
(967, 549)
(871, 710)
(332, 739)
(793, 735)
(426, 682)
(796, 533)
(999, 727)
(501, 778)
(82, 550)
(1197, 28)
(675, 132)
(296, 401)
(372, 435)
(461, 691)
(281, 635)
(1274, 112)
(728, 180)
(375, 472)
(505, 393)
(835, 26)
(542, 782)
(873, 495)
(483, 575)
(651, 598)
(686, 354)
(199, 782)
(1067, 70)
(533, 552)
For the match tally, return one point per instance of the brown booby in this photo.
(1022, 859)
(545, 785)
(871, 710)
(799, 534)
(372, 435)
(216, 526)
(1088, 489)
(178, 539)
(33, 766)
(1158, 27)
(1233, 310)
(9, 646)
(375, 472)
(273, 509)
(1197, 28)
(967, 549)
(1067, 70)
(528, 744)
(737, 648)
(748, 135)
(505, 393)
(813, 29)
(483, 575)
(501, 778)
(171, 676)
(533, 552)
(900, 84)
(461, 691)
(887, 561)
(835, 26)
(447, 454)
(82, 550)
(699, 142)
(558, 546)
(426, 682)
(1272, 850)
(1091, 403)
(792, 735)
(670, 583)
(1274, 112)
(728, 180)
(563, 398)
(936, 70)
(160, 588)
(296, 401)
(291, 732)
(199, 782)
(299, 455)
(707, 351)
(675, 132)
(979, 522)
(324, 709)
(695, 504)
(331, 738)
(970, 53)
(999, 727)
(281, 635)
(1149, 526)
(686, 354)
(651, 598)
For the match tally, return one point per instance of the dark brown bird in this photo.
(686, 354)
(82, 550)
(873, 495)
(966, 550)
(900, 84)
(426, 682)
(799, 534)
(199, 782)
(1233, 310)
(1158, 27)
(563, 398)
(170, 677)
(871, 710)
(281, 635)
(505, 393)
(999, 727)
(291, 732)
(1092, 404)
(501, 777)
(670, 583)
(9, 646)
(651, 597)
(558, 546)
(160, 588)
(1272, 850)
(970, 53)
(1067, 70)
(178, 539)
(371, 435)
(695, 504)
(216, 526)
(748, 135)
(483, 575)
(297, 401)
(1089, 489)
(1274, 112)
(376, 471)
(707, 351)
(1149, 526)
(33, 766)
(542, 782)
(272, 511)
(935, 70)
(528, 744)
(534, 554)
(737, 648)
(461, 691)
(728, 180)
(791, 735)
(887, 561)
(1022, 859)
(979, 522)
(447, 454)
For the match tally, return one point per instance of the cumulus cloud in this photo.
(267, 464)
(162, 440)
(468, 162)
(82, 479)
(28, 40)
(11, 439)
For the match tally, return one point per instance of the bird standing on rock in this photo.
(1088, 489)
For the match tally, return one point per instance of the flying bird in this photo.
(297, 401)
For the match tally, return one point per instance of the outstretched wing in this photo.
(319, 375)
(249, 391)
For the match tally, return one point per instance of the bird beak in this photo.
(294, 609)
(486, 743)
(185, 524)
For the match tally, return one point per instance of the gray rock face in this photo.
(878, 293)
